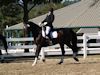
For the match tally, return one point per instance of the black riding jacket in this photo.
(49, 19)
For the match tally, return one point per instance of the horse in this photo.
(4, 42)
(3, 39)
(66, 36)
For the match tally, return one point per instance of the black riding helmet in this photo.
(51, 10)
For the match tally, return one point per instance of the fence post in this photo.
(84, 46)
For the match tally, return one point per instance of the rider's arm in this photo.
(45, 20)
(51, 18)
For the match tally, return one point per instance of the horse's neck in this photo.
(36, 31)
(35, 34)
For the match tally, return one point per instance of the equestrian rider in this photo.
(47, 22)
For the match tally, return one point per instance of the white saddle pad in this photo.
(54, 34)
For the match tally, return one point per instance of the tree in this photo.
(6, 2)
(27, 5)
(11, 10)
(9, 15)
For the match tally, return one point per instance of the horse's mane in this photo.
(34, 28)
(32, 24)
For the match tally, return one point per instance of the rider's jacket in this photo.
(49, 19)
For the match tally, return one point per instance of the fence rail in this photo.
(86, 48)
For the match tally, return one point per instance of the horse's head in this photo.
(34, 28)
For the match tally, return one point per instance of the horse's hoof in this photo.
(33, 64)
(2, 61)
(60, 63)
(76, 59)
(43, 60)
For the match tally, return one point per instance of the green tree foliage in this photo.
(6, 2)
(11, 10)
(9, 15)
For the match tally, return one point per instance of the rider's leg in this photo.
(43, 32)
(48, 28)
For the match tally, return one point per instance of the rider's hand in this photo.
(40, 24)
(28, 25)
(45, 23)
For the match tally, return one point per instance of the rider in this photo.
(48, 23)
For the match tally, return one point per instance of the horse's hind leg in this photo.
(74, 46)
(63, 53)
(74, 51)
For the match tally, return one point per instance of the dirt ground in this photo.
(88, 66)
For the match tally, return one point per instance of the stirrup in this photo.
(50, 42)
(46, 37)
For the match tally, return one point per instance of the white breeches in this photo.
(46, 32)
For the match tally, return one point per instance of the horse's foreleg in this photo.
(5, 44)
(63, 53)
(74, 50)
(35, 61)
(36, 54)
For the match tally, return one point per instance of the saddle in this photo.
(52, 34)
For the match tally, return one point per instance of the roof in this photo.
(88, 30)
(90, 17)
(66, 16)
(79, 14)
(16, 27)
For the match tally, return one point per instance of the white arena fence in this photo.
(86, 48)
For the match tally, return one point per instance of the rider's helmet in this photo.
(51, 10)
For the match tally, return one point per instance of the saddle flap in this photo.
(54, 34)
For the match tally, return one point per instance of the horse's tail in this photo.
(3, 39)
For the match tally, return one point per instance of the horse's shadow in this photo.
(84, 62)
(13, 59)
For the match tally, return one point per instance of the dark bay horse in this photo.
(4, 42)
(65, 36)
(3, 39)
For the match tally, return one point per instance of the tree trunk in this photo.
(25, 20)
(50, 1)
